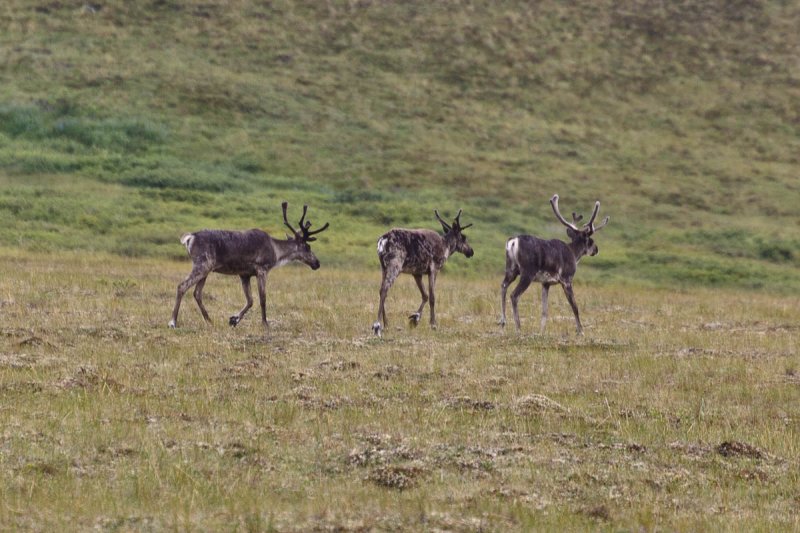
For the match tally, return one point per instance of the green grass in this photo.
(125, 124)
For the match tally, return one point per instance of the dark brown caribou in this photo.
(548, 262)
(418, 252)
(244, 254)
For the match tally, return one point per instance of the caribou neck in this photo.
(578, 249)
(284, 248)
(450, 244)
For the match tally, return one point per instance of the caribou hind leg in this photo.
(511, 275)
(414, 318)
(194, 277)
(198, 296)
(522, 286)
(390, 273)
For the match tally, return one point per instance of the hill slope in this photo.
(124, 124)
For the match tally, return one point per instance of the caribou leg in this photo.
(198, 296)
(545, 292)
(261, 277)
(390, 273)
(511, 275)
(432, 296)
(522, 286)
(571, 298)
(235, 319)
(193, 278)
(414, 319)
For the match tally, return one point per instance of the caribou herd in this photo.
(419, 252)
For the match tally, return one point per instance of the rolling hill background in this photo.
(124, 124)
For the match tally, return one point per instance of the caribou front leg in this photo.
(432, 295)
(235, 319)
(261, 276)
(545, 292)
(571, 298)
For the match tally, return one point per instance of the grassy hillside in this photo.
(123, 124)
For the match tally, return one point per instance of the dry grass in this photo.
(675, 411)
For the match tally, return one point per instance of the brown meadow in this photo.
(676, 410)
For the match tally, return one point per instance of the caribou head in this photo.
(581, 237)
(456, 241)
(301, 250)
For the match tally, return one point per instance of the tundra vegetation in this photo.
(125, 124)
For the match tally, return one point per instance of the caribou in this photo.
(418, 252)
(244, 254)
(548, 262)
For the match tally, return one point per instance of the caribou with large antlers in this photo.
(548, 262)
(244, 254)
(418, 252)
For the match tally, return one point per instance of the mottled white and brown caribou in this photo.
(548, 262)
(244, 254)
(419, 252)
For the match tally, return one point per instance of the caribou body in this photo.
(548, 262)
(244, 254)
(419, 252)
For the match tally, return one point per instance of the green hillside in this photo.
(124, 124)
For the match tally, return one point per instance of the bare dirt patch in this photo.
(467, 403)
(88, 378)
(396, 476)
(734, 448)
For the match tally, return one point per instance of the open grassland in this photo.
(676, 411)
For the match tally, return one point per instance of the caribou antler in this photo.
(444, 224)
(554, 205)
(284, 205)
(590, 224)
(595, 229)
(304, 232)
(456, 222)
(307, 235)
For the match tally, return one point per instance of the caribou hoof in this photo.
(434, 326)
(234, 320)
(172, 324)
(501, 323)
(377, 329)
(413, 320)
